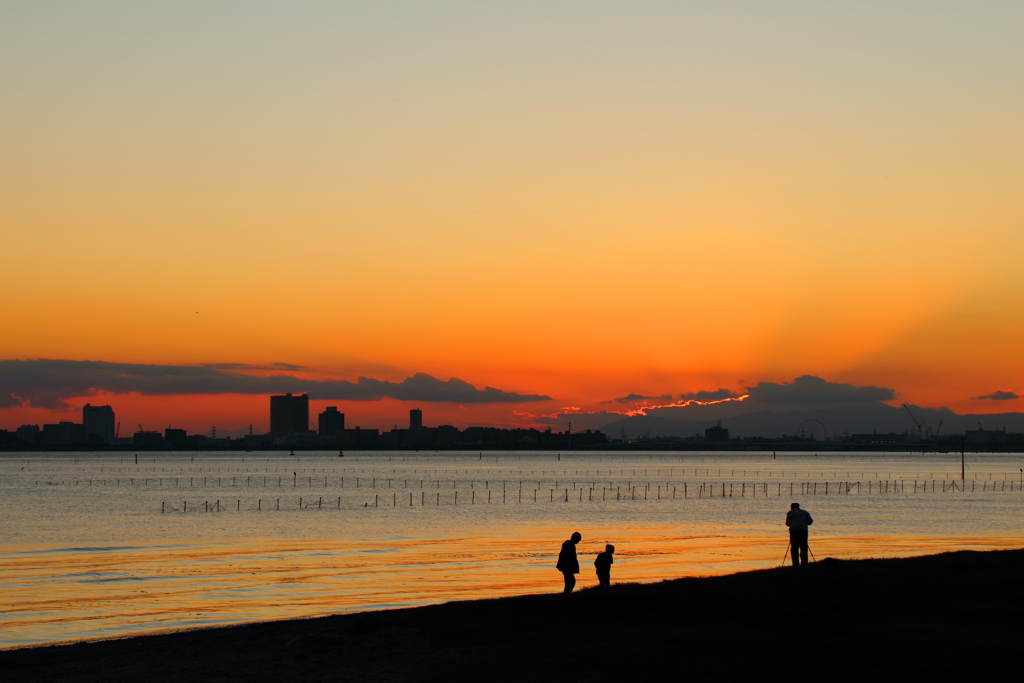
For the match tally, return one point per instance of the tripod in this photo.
(790, 545)
(786, 555)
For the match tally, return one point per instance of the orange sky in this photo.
(583, 201)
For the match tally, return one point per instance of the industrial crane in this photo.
(920, 428)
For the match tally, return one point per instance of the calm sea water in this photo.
(95, 545)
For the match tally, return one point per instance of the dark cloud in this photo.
(638, 397)
(814, 390)
(997, 396)
(717, 395)
(46, 383)
(283, 367)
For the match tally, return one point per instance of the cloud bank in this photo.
(717, 395)
(46, 383)
(803, 393)
(817, 391)
(997, 396)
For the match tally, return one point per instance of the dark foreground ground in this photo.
(953, 615)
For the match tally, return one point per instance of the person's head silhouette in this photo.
(794, 506)
(575, 538)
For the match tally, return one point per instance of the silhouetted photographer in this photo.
(567, 562)
(798, 520)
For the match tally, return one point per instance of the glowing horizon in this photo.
(578, 200)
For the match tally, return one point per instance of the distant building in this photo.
(147, 440)
(361, 438)
(520, 436)
(416, 436)
(9, 440)
(717, 433)
(29, 434)
(65, 434)
(447, 435)
(289, 415)
(591, 437)
(257, 441)
(980, 436)
(176, 438)
(331, 422)
(99, 421)
(306, 439)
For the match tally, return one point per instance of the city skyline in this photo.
(858, 415)
(381, 401)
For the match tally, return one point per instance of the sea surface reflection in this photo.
(95, 545)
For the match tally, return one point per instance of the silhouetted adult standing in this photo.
(798, 520)
(567, 562)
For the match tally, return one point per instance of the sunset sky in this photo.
(577, 201)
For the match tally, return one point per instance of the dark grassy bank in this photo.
(944, 616)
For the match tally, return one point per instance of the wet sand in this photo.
(955, 614)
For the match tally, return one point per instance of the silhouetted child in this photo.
(604, 565)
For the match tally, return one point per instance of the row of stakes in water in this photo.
(899, 485)
(646, 492)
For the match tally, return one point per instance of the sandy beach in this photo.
(941, 615)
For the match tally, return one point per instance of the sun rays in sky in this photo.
(577, 200)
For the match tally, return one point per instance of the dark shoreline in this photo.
(941, 615)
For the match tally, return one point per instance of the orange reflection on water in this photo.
(86, 593)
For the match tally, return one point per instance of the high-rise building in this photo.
(289, 414)
(416, 435)
(99, 420)
(331, 422)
